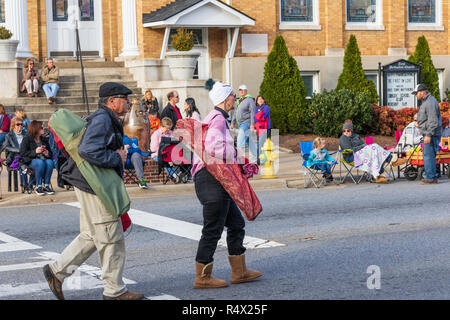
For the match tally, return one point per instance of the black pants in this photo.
(219, 210)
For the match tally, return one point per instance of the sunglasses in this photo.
(19, 124)
(346, 130)
(121, 97)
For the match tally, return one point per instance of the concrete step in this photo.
(93, 85)
(93, 72)
(45, 116)
(73, 64)
(91, 93)
(45, 108)
(60, 99)
(95, 77)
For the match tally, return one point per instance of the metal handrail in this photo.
(83, 81)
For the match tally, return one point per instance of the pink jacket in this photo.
(219, 144)
(155, 140)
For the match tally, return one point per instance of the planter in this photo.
(8, 50)
(182, 64)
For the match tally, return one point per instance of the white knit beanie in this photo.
(219, 92)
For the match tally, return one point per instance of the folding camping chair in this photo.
(348, 166)
(129, 173)
(177, 166)
(310, 171)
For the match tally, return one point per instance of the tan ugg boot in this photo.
(381, 180)
(203, 278)
(239, 271)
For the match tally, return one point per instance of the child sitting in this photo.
(155, 123)
(319, 157)
(163, 131)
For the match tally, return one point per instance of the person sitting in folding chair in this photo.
(320, 159)
(135, 160)
(368, 158)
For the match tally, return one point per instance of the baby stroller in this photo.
(175, 159)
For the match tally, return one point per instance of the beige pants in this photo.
(98, 231)
(32, 85)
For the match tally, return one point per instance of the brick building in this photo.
(233, 37)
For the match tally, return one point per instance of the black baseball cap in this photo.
(109, 89)
(419, 87)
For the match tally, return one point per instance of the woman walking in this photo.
(219, 209)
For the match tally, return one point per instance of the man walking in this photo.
(171, 110)
(244, 120)
(430, 125)
(50, 77)
(102, 146)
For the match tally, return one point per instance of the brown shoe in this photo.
(36, 94)
(428, 181)
(239, 271)
(54, 284)
(381, 180)
(126, 296)
(29, 95)
(203, 278)
(50, 101)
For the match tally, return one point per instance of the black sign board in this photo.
(399, 80)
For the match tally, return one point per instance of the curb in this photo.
(64, 196)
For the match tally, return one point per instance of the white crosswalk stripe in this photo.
(185, 229)
(14, 244)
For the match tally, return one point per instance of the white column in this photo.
(130, 45)
(16, 20)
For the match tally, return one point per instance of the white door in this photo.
(62, 18)
(200, 45)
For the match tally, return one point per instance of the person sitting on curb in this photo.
(50, 78)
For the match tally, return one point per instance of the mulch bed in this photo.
(292, 141)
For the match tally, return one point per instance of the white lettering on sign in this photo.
(399, 87)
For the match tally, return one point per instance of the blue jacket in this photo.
(103, 136)
(312, 159)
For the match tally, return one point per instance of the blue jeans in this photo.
(2, 138)
(323, 167)
(50, 89)
(244, 138)
(429, 157)
(388, 159)
(43, 169)
(169, 171)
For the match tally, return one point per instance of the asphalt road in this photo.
(348, 242)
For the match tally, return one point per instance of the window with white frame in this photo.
(372, 75)
(424, 13)
(299, 14)
(364, 15)
(311, 81)
(2, 11)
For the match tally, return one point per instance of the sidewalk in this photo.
(289, 172)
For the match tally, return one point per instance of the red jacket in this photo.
(5, 122)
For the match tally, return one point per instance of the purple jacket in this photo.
(219, 144)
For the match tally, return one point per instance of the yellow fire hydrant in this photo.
(267, 158)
